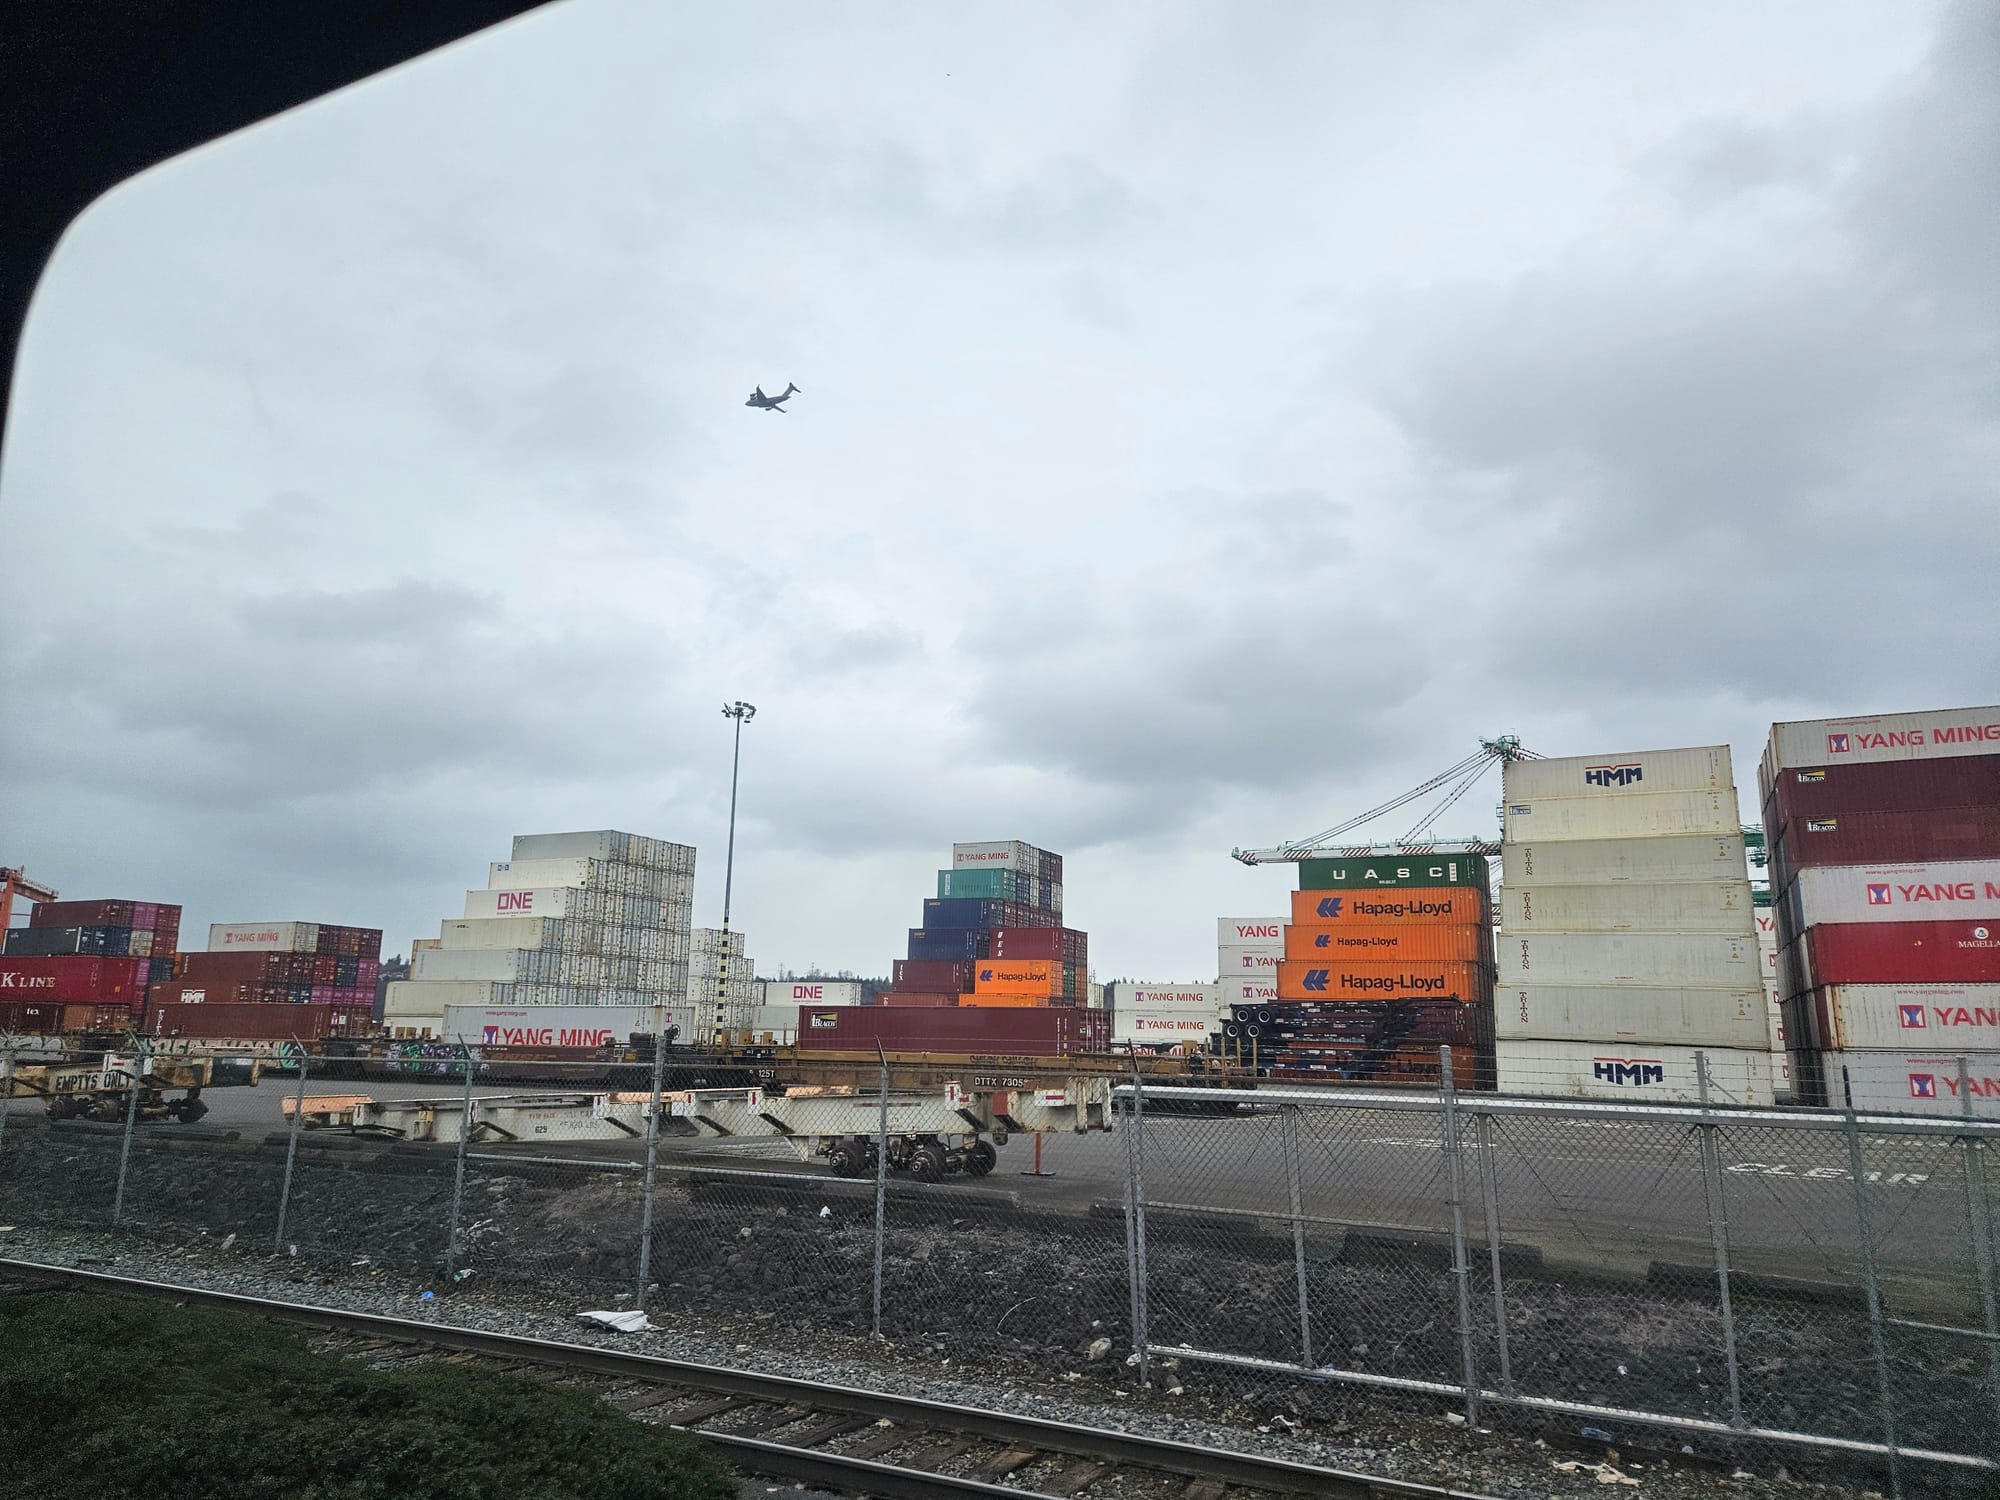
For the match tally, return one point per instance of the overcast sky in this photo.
(1216, 418)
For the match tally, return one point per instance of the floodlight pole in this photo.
(742, 713)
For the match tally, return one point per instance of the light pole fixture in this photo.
(742, 713)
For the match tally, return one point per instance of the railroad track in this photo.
(854, 1442)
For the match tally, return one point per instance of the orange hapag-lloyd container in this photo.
(1417, 979)
(1424, 905)
(1020, 976)
(1461, 942)
(1001, 999)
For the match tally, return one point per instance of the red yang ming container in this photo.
(1882, 786)
(1883, 838)
(1902, 953)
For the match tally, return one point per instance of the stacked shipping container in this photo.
(86, 965)
(722, 981)
(597, 919)
(1884, 837)
(1627, 931)
(1386, 958)
(1156, 1015)
(993, 936)
(273, 981)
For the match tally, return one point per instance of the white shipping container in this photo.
(1639, 1073)
(1248, 932)
(499, 932)
(263, 937)
(1781, 1076)
(1233, 963)
(797, 992)
(603, 843)
(1004, 854)
(1646, 861)
(1654, 959)
(1918, 1083)
(1948, 891)
(1938, 1017)
(1935, 735)
(1767, 933)
(1153, 1027)
(1684, 906)
(1634, 815)
(1123, 995)
(561, 1025)
(710, 940)
(409, 1001)
(1249, 991)
(503, 965)
(1659, 1017)
(1705, 768)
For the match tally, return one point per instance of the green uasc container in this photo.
(1386, 872)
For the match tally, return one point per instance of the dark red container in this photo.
(79, 979)
(31, 1016)
(249, 967)
(81, 914)
(1061, 944)
(1882, 786)
(932, 974)
(1899, 953)
(1886, 838)
(931, 999)
(1002, 1031)
(257, 1023)
(100, 1017)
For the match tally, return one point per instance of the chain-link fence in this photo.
(1709, 1275)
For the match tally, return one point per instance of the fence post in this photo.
(1288, 1124)
(1489, 1195)
(881, 1184)
(652, 1168)
(6, 1085)
(1461, 1270)
(1135, 1222)
(125, 1147)
(291, 1151)
(458, 1172)
(1871, 1285)
(1718, 1236)
(1981, 1227)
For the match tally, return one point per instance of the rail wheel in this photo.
(927, 1162)
(845, 1159)
(980, 1158)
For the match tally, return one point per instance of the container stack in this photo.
(596, 919)
(1008, 949)
(722, 982)
(1156, 1015)
(273, 981)
(1627, 931)
(86, 965)
(1386, 958)
(1884, 841)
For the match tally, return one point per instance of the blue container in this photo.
(951, 943)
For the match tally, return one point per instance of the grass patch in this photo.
(103, 1395)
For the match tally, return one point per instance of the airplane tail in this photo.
(791, 390)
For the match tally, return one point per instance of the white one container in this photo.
(1633, 815)
(1646, 861)
(797, 992)
(263, 937)
(1935, 735)
(1920, 1083)
(1653, 959)
(1942, 892)
(1635, 1073)
(1705, 768)
(1902, 1017)
(1722, 906)
(1660, 1017)
(1237, 963)
(1250, 932)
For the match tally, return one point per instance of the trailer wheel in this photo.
(980, 1158)
(190, 1110)
(845, 1159)
(927, 1162)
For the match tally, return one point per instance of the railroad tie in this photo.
(1073, 1477)
(1007, 1460)
(701, 1411)
(824, 1429)
(885, 1439)
(1203, 1489)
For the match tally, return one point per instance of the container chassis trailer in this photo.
(169, 1088)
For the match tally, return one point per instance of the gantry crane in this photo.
(14, 883)
(1458, 780)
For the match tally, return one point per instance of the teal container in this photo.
(990, 885)
(1376, 873)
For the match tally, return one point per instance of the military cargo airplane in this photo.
(772, 403)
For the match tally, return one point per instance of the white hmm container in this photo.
(1635, 1073)
(1248, 932)
(1920, 1083)
(1947, 891)
(1686, 906)
(1152, 1027)
(1657, 1017)
(1644, 861)
(1653, 959)
(1935, 735)
(263, 937)
(1634, 815)
(1899, 1017)
(1705, 768)
(797, 992)
(1122, 995)
(1237, 963)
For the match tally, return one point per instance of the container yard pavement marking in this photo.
(1827, 1174)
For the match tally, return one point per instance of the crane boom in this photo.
(15, 882)
(1460, 778)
